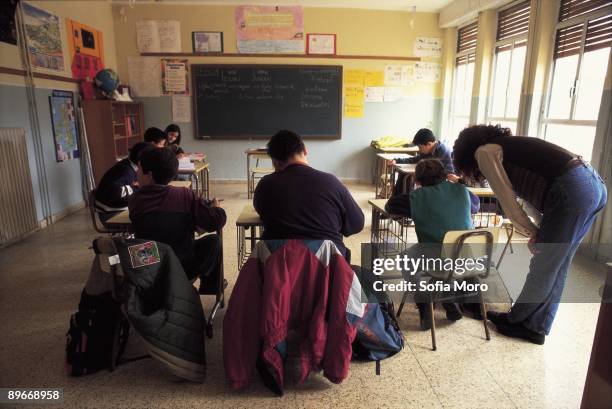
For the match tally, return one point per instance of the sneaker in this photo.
(452, 311)
(519, 331)
(425, 316)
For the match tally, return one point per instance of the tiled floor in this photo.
(41, 279)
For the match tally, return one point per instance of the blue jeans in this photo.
(570, 208)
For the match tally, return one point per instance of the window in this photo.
(508, 65)
(580, 63)
(461, 100)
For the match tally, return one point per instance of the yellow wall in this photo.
(363, 32)
(96, 14)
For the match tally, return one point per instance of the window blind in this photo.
(466, 37)
(574, 8)
(466, 59)
(567, 41)
(513, 21)
(599, 34)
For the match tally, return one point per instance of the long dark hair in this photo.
(469, 140)
(174, 128)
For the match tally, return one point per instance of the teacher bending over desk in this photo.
(562, 187)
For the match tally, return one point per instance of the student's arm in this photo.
(412, 160)
(490, 158)
(352, 217)
(445, 157)
(207, 217)
(399, 205)
(474, 203)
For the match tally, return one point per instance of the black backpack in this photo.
(95, 329)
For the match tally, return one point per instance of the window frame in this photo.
(465, 53)
(544, 120)
(512, 41)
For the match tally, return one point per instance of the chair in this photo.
(472, 244)
(218, 290)
(94, 213)
(256, 173)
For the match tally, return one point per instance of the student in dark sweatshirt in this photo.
(429, 147)
(300, 202)
(118, 184)
(172, 215)
(156, 136)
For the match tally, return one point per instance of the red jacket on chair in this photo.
(301, 285)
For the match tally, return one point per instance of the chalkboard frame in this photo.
(195, 67)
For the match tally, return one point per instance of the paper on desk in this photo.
(186, 164)
(196, 156)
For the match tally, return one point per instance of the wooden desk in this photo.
(248, 222)
(258, 153)
(383, 181)
(200, 175)
(402, 149)
(407, 170)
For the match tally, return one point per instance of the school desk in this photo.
(383, 183)
(200, 175)
(249, 229)
(256, 172)
(406, 172)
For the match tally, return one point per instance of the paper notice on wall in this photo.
(174, 76)
(158, 36)
(354, 78)
(407, 75)
(427, 72)
(374, 94)
(428, 47)
(374, 78)
(269, 29)
(392, 94)
(353, 102)
(144, 76)
(393, 75)
(181, 109)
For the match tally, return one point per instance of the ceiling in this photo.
(404, 5)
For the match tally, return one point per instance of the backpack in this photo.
(91, 336)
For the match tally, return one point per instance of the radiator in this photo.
(17, 209)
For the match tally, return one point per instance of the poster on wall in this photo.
(44, 38)
(158, 36)
(144, 76)
(267, 29)
(427, 72)
(174, 76)
(86, 48)
(64, 125)
(428, 47)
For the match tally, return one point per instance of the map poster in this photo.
(43, 38)
(64, 125)
(270, 29)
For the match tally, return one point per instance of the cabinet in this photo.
(112, 128)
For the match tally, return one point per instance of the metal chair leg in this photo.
(401, 306)
(433, 326)
(483, 311)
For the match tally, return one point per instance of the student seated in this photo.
(172, 215)
(156, 136)
(300, 202)
(118, 184)
(429, 147)
(437, 206)
(173, 131)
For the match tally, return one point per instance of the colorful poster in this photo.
(64, 125)
(353, 102)
(44, 38)
(269, 29)
(428, 47)
(174, 77)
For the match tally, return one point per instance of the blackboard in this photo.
(255, 101)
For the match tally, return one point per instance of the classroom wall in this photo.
(64, 178)
(364, 32)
